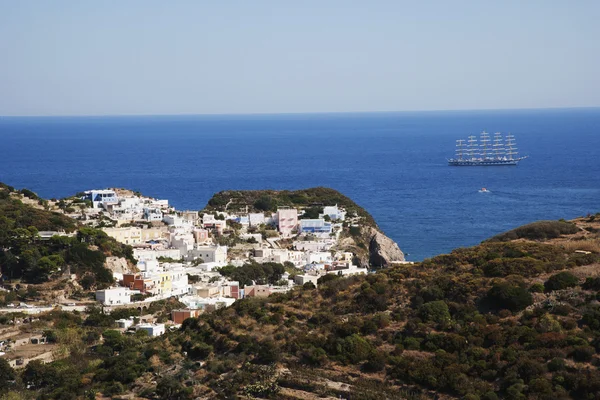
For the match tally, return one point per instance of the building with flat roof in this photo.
(334, 213)
(152, 329)
(101, 198)
(287, 221)
(318, 225)
(209, 254)
(178, 316)
(115, 296)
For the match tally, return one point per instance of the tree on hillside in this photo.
(265, 203)
(508, 296)
(7, 375)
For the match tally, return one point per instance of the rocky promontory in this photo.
(360, 233)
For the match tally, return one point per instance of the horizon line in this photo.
(296, 112)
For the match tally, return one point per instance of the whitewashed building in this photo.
(153, 214)
(115, 296)
(256, 219)
(334, 213)
(209, 254)
(153, 330)
(101, 198)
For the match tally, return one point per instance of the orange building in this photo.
(178, 316)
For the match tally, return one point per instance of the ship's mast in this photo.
(459, 148)
(498, 145)
(510, 149)
(485, 138)
(472, 147)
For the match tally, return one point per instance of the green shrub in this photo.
(265, 203)
(524, 266)
(435, 311)
(591, 283)
(537, 288)
(29, 194)
(583, 353)
(556, 364)
(508, 296)
(375, 362)
(560, 281)
(314, 356)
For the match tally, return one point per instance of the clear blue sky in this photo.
(203, 57)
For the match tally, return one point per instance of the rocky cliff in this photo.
(382, 250)
(371, 247)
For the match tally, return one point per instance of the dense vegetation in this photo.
(260, 274)
(14, 215)
(25, 256)
(269, 200)
(96, 357)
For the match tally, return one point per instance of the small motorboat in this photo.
(484, 190)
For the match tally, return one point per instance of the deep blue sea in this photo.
(393, 164)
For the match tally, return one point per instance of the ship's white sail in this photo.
(484, 139)
(498, 145)
(473, 147)
(460, 144)
(510, 147)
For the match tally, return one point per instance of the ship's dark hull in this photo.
(482, 163)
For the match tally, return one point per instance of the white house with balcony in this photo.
(334, 213)
(101, 198)
(153, 214)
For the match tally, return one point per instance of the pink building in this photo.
(257, 291)
(201, 235)
(287, 220)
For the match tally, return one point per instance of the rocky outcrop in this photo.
(119, 265)
(382, 250)
(372, 249)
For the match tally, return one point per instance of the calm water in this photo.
(393, 164)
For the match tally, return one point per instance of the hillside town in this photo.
(181, 253)
(143, 267)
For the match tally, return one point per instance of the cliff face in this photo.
(372, 248)
(382, 250)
